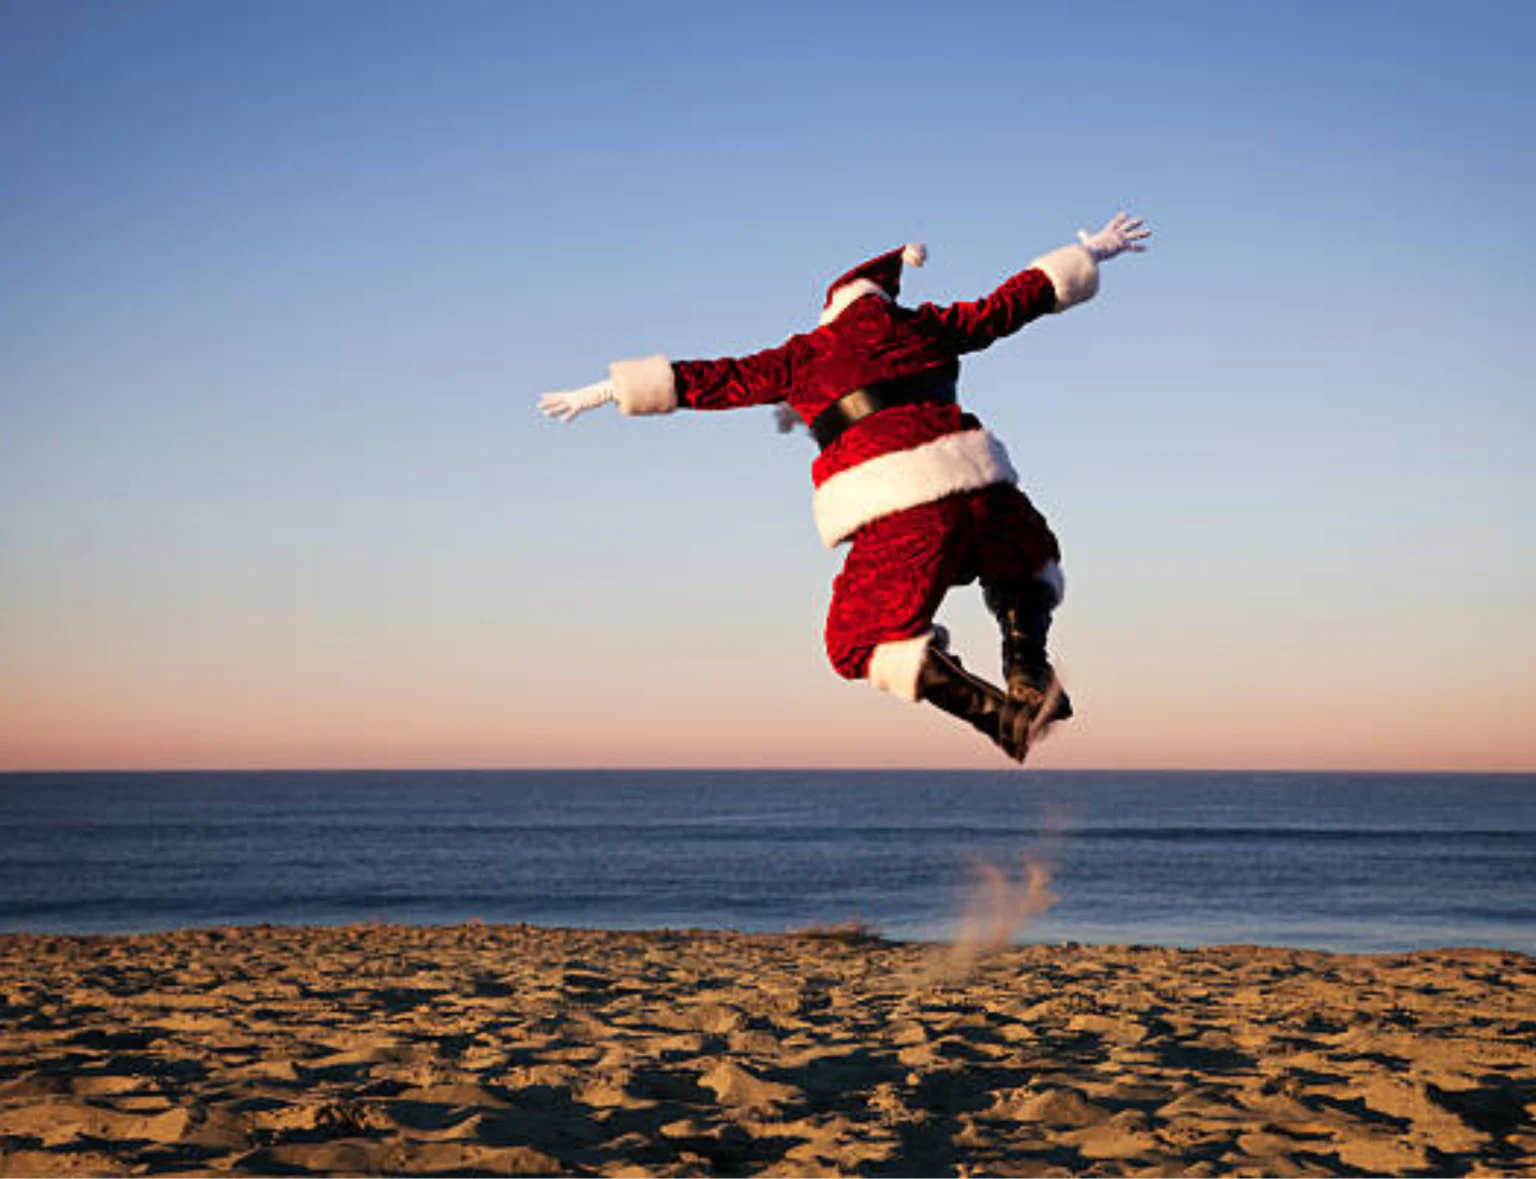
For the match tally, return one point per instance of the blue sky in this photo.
(284, 280)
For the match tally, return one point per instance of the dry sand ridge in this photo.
(515, 1050)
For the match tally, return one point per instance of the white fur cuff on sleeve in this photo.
(1073, 273)
(896, 666)
(644, 386)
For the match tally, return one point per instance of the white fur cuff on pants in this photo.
(895, 667)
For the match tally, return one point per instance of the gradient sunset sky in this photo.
(281, 281)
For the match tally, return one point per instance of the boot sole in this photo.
(1020, 727)
(1046, 716)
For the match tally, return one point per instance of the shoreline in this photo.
(853, 930)
(514, 1049)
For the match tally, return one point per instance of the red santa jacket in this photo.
(899, 457)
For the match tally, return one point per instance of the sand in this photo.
(514, 1050)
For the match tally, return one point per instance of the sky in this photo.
(282, 281)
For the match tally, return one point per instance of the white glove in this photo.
(566, 406)
(1121, 234)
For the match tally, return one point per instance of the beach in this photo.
(480, 1049)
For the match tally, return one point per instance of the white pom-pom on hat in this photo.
(914, 253)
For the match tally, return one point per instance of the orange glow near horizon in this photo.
(259, 698)
(861, 732)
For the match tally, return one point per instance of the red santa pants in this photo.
(900, 567)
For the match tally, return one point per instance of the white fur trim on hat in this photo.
(845, 296)
(896, 667)
(905, 478)
(1073, 273)
(645, 385)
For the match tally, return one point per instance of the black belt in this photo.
(853, 407)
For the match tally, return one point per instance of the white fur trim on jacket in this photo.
(905, 478)
(845, 295)
(1073, 273)
(645, 385)
(896, 667)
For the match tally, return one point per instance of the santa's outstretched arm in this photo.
(1074, 270)
(654, 384)
(642, 386)
(1053, 282)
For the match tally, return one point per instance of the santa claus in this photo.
(922, 492)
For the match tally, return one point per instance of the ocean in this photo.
(1336, 861)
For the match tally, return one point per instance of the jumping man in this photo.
(924, 495)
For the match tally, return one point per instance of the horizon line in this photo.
(756, 769)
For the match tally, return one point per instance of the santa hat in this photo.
(879, 276)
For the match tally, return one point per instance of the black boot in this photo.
(948, 686)
(1023, 612)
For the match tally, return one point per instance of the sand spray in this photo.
(1001, 902)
